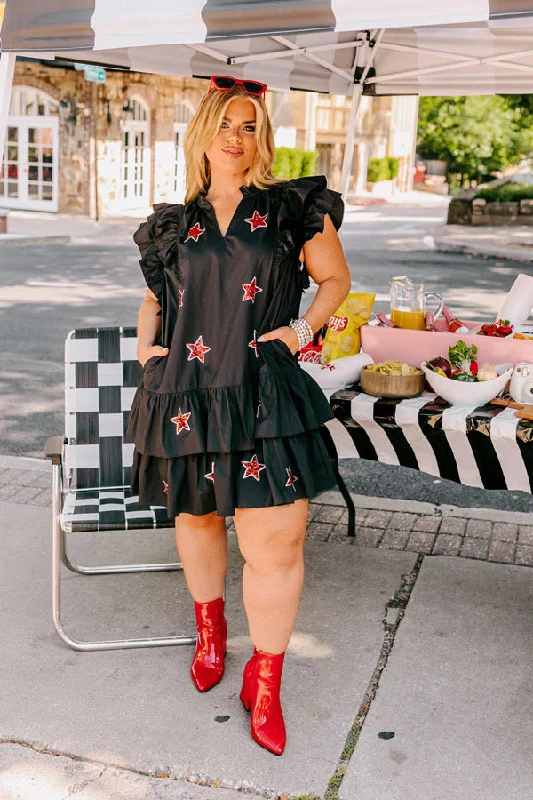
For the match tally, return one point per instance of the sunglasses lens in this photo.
(224, 83)
(253, 87)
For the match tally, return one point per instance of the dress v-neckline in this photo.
(210, 208)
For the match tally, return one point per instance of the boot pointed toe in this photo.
(260, 693)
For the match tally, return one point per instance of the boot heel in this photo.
(245, 699)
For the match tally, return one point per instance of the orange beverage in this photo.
(412, 319)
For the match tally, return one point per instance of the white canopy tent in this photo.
(351, 47)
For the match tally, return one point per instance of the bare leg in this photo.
(202, 544)
(271, 542)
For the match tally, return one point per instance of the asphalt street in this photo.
(47, 291)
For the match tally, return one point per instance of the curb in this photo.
(13, 240)
(334, 498)
(510, 253)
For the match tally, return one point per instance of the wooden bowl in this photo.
(380, 385)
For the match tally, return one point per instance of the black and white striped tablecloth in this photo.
(484, 446)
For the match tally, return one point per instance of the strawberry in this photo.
(504, 328)
(474, 368)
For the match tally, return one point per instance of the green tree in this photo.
(477, 136)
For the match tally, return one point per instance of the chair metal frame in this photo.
(60, 555)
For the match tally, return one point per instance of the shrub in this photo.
(294, 162)
(506, 193)
(382, 169)
(394, 166)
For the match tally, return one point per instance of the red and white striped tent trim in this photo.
(458, 47)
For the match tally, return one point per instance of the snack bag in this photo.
(342, 336)
(310, 354)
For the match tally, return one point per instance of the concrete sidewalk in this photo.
(34, 227)
(408, 674)
(512, 242)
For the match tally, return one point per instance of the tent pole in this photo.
(7, 68)
(350, 139)
(347, 162)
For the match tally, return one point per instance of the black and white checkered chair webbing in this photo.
(101, 375)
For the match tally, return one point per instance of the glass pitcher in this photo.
(408, 303)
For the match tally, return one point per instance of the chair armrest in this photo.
(54, 448)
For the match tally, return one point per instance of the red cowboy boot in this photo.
(260, 694)
(207, 666)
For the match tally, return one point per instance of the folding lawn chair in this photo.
(91, 463)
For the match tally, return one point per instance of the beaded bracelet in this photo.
(303, 330)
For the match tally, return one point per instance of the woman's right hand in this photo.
(144, 353)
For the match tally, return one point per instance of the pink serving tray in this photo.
(413, 347)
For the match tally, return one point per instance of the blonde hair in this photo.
(203, 128)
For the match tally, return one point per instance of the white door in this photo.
(29, 173)
(136, 158)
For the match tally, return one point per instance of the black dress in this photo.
(224, 421)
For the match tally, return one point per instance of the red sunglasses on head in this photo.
(225, 82)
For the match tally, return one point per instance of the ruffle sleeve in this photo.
(307, 201)
(150, 262)
(155, 239)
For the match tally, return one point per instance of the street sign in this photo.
(94, 74)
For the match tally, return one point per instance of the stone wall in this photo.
(520, 213)
(94, 130)
(478, 212)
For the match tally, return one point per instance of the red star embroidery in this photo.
(165, 487)
(180, 298)
(257, 221)
(198, 350)
(292, 479)
(252, 468)
(181, 421)
(250, 290)
(211, 475)
(195, 232)
(253, 345)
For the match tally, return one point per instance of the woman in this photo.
(224, 421)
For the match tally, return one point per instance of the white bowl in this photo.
(463, 393)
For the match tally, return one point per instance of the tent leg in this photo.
(368, 53)
(7, 68)
(350, 140)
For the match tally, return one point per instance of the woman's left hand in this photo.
(287, 335)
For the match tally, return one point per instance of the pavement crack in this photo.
(162, 773)
(394, 613)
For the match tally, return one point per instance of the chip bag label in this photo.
(343, 337)
(338, 323)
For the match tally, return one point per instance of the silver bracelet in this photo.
(303, 330)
